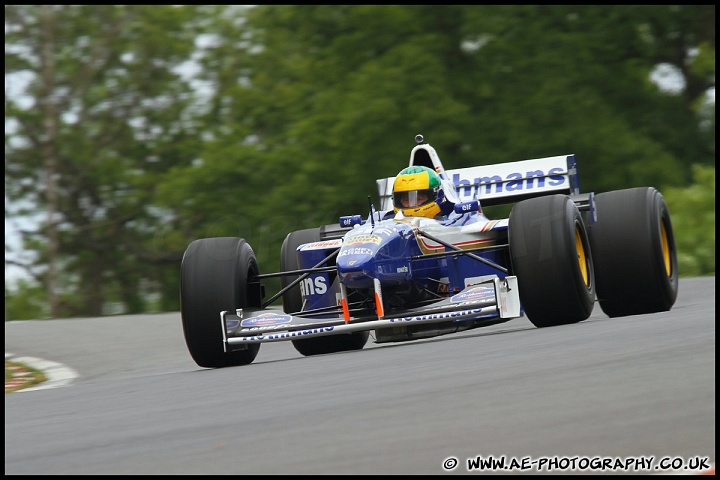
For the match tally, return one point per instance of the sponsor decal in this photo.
(299, 333)
(322, 245)
(231, 323)
(474, 294)
(437, 316)
(513, 182)
(266, 319)
(467, 207)
(350, 220)
(355, 251)
(274, 327)
(313, 285)
(362, 239)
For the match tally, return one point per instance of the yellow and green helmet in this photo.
(418, 192)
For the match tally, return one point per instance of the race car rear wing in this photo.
(496, 184)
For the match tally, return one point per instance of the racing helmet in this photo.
(418, 192)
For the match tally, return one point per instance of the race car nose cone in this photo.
(380, 253)
(355, 265)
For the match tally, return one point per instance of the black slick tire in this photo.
(550, 255)
(634, 251)
(292, 301)
(215, 276)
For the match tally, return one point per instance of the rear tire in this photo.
(634, 250)
(215, 274)
(292, 301)
(550, 255)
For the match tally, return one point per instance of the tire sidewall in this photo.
(660, 216)
(214, 277)
(542, 241)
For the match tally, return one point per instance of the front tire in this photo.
(215, 276)
(292, 301)
(634, 251)
(550, 255)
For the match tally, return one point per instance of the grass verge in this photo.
(19, 376)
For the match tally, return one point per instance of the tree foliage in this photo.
(104, 113)
(294, 111)
(692, 210)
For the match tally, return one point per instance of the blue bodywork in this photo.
(411, 268)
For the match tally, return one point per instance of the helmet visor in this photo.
(413, 198)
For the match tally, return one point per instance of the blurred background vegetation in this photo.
(132, 130)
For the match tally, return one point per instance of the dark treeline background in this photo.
(132, 130)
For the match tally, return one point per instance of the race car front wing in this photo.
(497, 298)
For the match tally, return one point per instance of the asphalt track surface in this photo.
(640, 387)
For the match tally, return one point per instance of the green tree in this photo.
(552, 79)
(692, 210)
(105, 112)
(27, 300)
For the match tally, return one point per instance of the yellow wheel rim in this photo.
(582, 260)
(665, 249)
